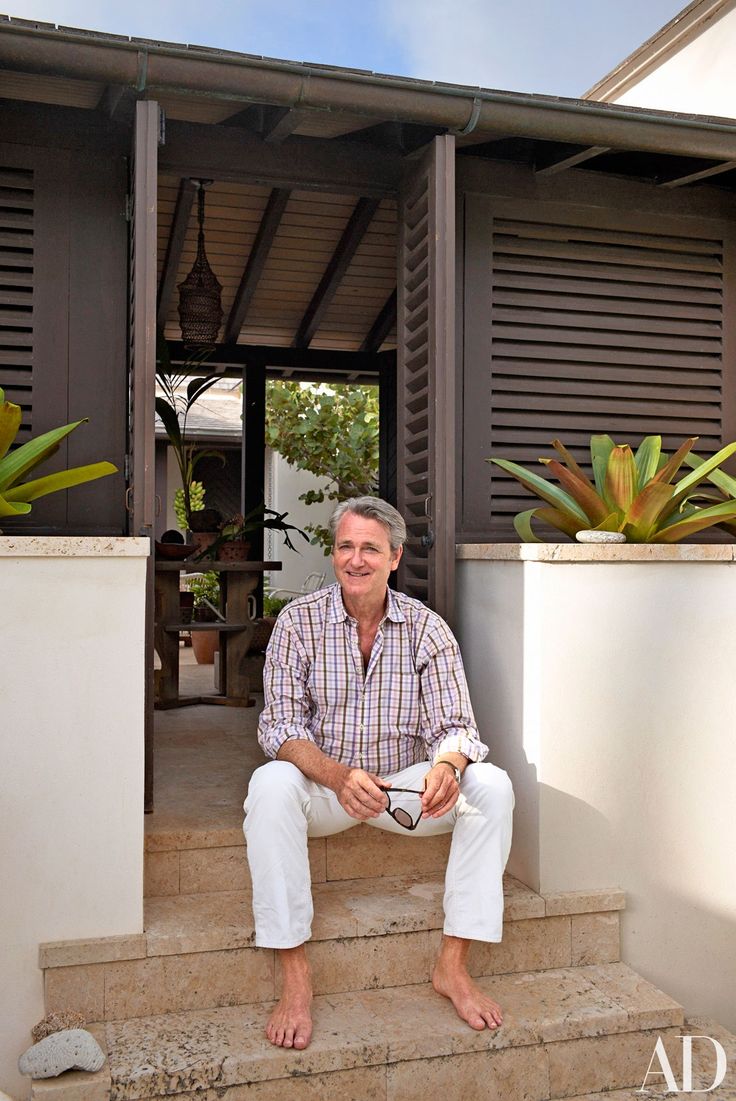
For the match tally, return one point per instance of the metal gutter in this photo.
(165, 68)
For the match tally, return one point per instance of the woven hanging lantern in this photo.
(200, 295)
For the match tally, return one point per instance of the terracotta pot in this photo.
(204, 645)
(234, 550)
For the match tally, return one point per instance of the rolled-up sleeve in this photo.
(448, 722)
(286, 705)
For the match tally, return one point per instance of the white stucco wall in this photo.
(71, 768)
(602, 680)
(697, 79)
(284, 484)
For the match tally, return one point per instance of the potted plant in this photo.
(205, 588)
(173, 408)
(226, 540)
(632, 492)
(16, 495)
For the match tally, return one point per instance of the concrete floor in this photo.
(203, 757)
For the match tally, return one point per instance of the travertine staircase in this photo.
(182, 1007)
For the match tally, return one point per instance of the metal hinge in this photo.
(126, 467)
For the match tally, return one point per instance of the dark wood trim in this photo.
(352, 235)
(552, 167)
(253, 454)
(255, 264)
(387, 429)
(591, 189)
(728, 355)
(231, 153)
(174, 247)
(477, 383)
(702, 174)
(54, 127)
(382, 326)
(303, 359)
(118, 103)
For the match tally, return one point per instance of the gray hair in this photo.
(374, 508)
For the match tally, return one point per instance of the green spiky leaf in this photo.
(544, 489)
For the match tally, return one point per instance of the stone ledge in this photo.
(62, 546)
(591, 552)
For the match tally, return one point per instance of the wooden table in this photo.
(238, 580)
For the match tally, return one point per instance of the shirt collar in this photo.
(338, 613)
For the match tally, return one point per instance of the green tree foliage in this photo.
(331, 431)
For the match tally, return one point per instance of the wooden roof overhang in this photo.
(306, 162)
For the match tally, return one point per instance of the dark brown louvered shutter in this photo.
(600, 321)
(142, 374)
(426, 376)
(16, 288)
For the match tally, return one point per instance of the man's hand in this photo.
(360, 795)
(441, 790)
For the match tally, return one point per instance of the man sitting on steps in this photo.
(365, 695)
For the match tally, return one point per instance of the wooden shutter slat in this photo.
(616, 272)
(610, 388)
(581, 289)
(599, 254)
(559, 232)
(671, 326)
(629, 310)
(537, 371)
(595, 337)
(504, 350)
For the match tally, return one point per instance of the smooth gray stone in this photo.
(593, 536)
(70, 1049)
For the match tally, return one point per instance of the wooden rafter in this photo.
(702, 174)
(353, 234)
(272, 215)
(571, 160)
(280, 122)
(382, 326)
(175, 244)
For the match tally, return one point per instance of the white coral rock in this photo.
(71, 1049)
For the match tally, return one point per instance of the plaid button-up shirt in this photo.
(410, 705)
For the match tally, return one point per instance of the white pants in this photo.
(283, 808)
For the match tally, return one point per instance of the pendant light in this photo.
(200, 294)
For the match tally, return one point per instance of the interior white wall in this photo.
(605, 689)
(284, 484)
(697, 79)
(71, 776)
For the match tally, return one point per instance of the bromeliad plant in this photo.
(631, 492)
(16, 495)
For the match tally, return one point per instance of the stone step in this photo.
(185, 861)
(565, 1031)
(197, 951)
(370, 1083)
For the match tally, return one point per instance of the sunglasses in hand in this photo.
(399, 814)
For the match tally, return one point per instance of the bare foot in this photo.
(290, 1024)
(451, 979)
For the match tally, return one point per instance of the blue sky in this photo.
(558, 47)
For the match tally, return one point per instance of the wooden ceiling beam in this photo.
(701, 174)
(382, 326)
(249, 118)
(295, 359)
(353, 234)
(174, 247)
(570, 161)
(265, 234)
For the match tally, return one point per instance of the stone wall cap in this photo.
(73, 546)
(591, 552)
